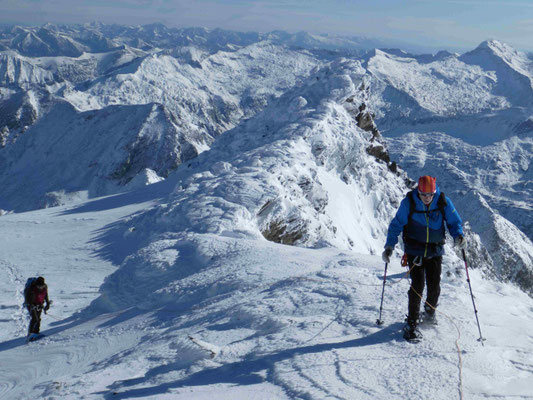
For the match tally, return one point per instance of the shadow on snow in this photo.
(240, 373)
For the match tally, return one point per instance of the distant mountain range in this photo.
(73, 40)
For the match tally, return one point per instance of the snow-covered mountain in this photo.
(222, 148)
(199, 99)
(467, 120)
(298, 172)
(481, 97)
(155, 106)
(73, 40)
(202, 305)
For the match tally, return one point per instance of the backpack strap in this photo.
(441, 204)
(412, 205)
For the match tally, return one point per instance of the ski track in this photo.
(15, 284)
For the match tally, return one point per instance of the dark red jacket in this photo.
(37, 295)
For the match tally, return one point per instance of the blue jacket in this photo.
(424, 233)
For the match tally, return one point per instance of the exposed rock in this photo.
(284, 233)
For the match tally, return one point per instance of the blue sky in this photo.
(441, 24)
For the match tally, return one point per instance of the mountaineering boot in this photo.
(429, 316)
(411, 332)
(32, 337)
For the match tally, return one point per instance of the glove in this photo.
(47, 307)
(459, 242)
(386, 254)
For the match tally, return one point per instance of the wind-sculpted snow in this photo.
(198, 295)
(204, 315)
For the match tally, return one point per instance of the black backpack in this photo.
(28, 285)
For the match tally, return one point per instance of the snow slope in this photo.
(296, 173)
(190, 106)
(481, 97)
(268, 320)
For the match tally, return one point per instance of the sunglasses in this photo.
(426, 194)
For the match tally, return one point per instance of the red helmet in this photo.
(427, 184)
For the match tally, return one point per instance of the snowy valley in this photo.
(209, 209)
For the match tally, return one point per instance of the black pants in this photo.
(35, 322)
(427, 273)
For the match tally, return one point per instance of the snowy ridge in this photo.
(23, 73)
(446, 87)
(481, 97)
(206, 81)
(282, 321)
(277, 173)
(497, 56)
(71, 40)
(191, 85)
(199, 104)
(49, 40)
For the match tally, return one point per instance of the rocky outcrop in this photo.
(365, 120)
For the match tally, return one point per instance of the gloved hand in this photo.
(459, 242)
(47, 307)
(386, 254)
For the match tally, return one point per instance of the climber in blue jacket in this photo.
(421, 219)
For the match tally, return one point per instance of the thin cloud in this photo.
(484, 3)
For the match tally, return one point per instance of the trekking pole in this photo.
(379, 321)
(481, 339)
